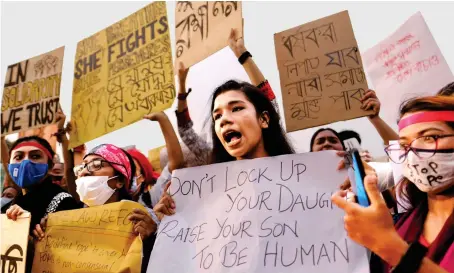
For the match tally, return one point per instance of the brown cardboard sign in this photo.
(203, 28)
(321, 72)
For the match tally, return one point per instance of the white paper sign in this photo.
(265, 215)
(407, 64)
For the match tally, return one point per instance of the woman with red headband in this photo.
(423, 239)
(31, 160)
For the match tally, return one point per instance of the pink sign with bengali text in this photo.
(407, 64)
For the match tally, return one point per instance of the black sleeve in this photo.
(147, 247)
(68, 203)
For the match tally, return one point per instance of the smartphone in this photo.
(358, 168)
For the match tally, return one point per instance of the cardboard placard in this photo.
(121, 74)
(45, 132)
(203, 28)
(95, 239)
(154, 156)
(405, 65)
(321, 72)
(31, 93)
(14, 242)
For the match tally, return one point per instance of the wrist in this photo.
(183, 96)
(392, 249)
(244, 57)
(240, 51)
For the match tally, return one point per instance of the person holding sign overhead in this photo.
(422, 240)
(191, 139)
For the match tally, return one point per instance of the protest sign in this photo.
(203, 28)
(154, 156)
(14, 242)
(407, 64)
(321, 72)
(45, 132)
(121, 74)
(31, 93)
(265, 215)
(95, 239)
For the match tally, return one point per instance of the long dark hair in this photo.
(325, 129)
(407, 190)
(274, 137)
(41, 141)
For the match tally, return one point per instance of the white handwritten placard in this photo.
(262, 215)
(407, 64)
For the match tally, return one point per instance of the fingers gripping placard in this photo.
(122, 73)
(321, 72)
(263, 215)
(97, 239)
(32, 92)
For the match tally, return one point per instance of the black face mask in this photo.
(146, 197)
(57, 178)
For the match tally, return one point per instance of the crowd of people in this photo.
(245, 123)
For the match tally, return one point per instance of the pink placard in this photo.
(407, 64)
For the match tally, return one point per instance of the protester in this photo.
(145, 177)
(329, 139)
(31, 160)
(57, 174)
(105, 177)
(245, 124)
(8, 195)
(199, 146)
(422, 240)
(326, 139)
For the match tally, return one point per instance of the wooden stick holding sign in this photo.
(202, 28)
(321, 72)
(32, 92)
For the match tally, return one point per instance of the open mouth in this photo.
(232, 137)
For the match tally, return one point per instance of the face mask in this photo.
(27, 173)
(430, 174)
(93, 190)
(5, 200)
(134, 184)
(57, 179)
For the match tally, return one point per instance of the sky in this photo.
(32, 28)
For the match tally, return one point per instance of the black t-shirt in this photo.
(38, 199)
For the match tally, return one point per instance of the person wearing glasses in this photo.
(423, 238)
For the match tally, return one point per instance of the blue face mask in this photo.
(27, 173)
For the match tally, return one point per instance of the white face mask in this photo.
(134, 184)
(5, 200)
(94, 190)
(430, 174)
